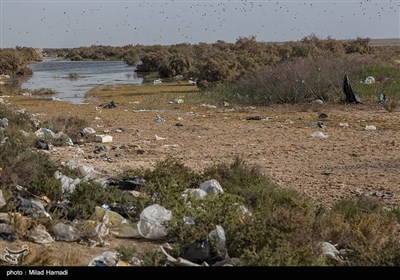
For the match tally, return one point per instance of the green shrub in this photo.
(87, 195)
(126, 253)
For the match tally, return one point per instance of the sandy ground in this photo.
(349, 163)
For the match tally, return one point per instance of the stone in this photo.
(211, 186)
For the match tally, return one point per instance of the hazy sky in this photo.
(73, 23)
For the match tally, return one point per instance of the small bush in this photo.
(88, 195)
(73, 76)
(68, 125)
(390, 105)
(126, 253)
(43, 91)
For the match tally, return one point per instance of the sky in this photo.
(74, 23)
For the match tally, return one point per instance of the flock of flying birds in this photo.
(185, 20)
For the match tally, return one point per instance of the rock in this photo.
(2, 200)
(103, 138)
(151, 222)
(344, 125)
(65, 232)
(370, 127)
(105, 259)
(211, 186)
(40, 235)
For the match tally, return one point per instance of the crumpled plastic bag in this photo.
(151, 222)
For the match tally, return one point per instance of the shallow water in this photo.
(54, 74)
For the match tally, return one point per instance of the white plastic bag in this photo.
(151, 222)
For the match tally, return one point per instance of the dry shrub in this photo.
(390, 105)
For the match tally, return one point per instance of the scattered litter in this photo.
(188, 221)
(32, 207)
(345, 125)
(159, 138)
(105, 259)
(211, 186)
(317, 101)
(179, 101)
(318, 134)
(194, 194)
(88, 130)
(64, 232)
(209, 106)
(100, 149)
(178, 261)
(126, 231)
(79, 151)
(369, 80)
(103, 138)
(158, 119)
(383, 194)
(157, 82)
(110, 105)
(130, 184)
(40, 235)
(4, 122)
(382, 98)
(370, 127)
(197, 252)
(2, 200)
(178, 124)
(322, 116)
(67, 184)
(119, 130)
(330, 251)
(321, 125)
(218, 239)
(7, 236)
(226, 104)
(351, 96)
(171, 145)
(151, 222)
(258, 118)
(69, 141)
(97, 118)
(43, 132)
